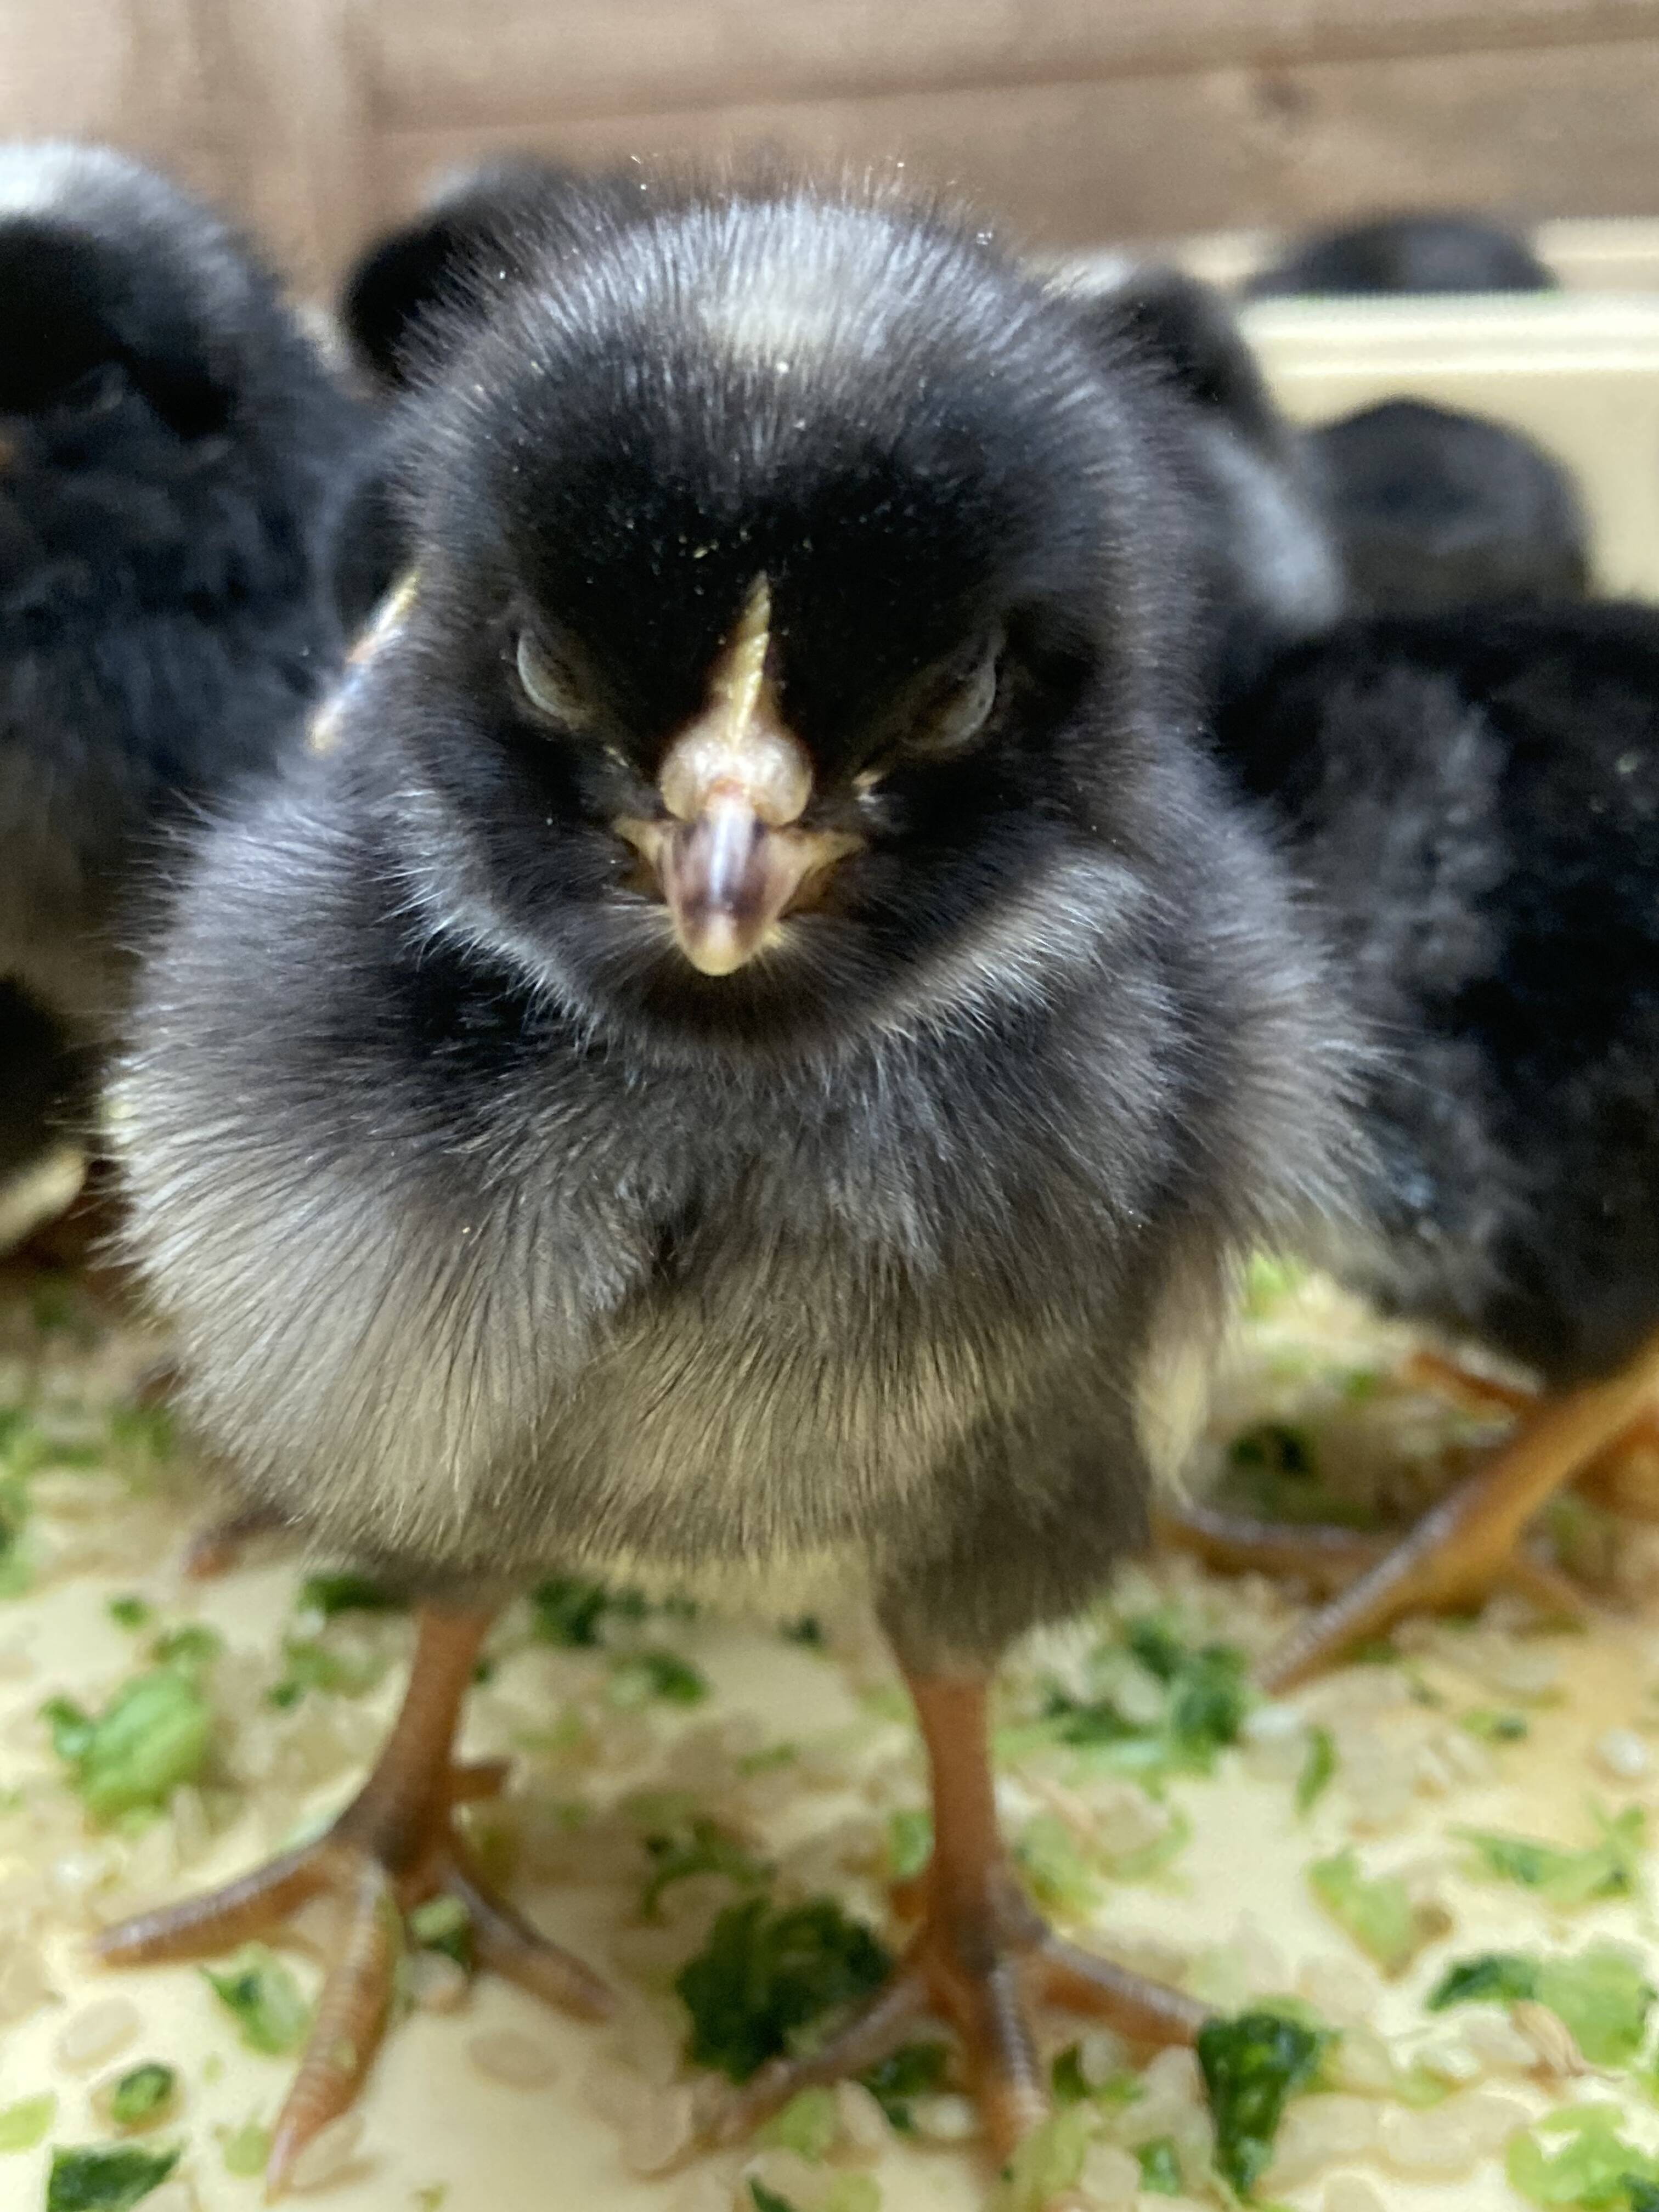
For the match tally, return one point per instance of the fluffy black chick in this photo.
(1472, 799)
(169, 442)
(1270, 568)
(1433, 507)
(1431, 252)
(753, 1034)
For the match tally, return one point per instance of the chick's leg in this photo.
(1462, 1546)
(393, 1847)
(983, 1959)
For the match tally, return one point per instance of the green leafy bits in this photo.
(768, 2200)
(808, 2125)
(27, 2121)
(244, 2150)
(443, 1923)
(910, 1842)
(645, 1676)
(1160, 2168)
(130, 1611)
(1579, 2157)
(698, 1845)
(1252, 2066)
(914, 2070)
(143, 2095)
(329, 1594)
(1494, 1724)
(104, 2178)
(763, 1977)
(1205, 1699)
(568, 1610)
(1377, 1911)
(1318, 1768)
(1601, 1993)
(267, 2002)
(1046, 2163)
(1611, 1867)
(154, 1735)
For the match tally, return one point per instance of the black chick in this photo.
(1436, 252)
(1433, 507)
(751, 1035)
(169, 440)
(1271, 571)
(1473, 801)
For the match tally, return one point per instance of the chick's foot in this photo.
(983, 1961)
(392, 1848)
(1461, 1548)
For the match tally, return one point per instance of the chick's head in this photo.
(796, 599)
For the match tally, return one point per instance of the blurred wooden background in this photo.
(1082, 120)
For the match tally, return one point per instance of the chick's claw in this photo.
(392, 1848)
(982, 1961)
(1461, 1549)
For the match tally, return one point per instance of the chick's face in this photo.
(766, 650)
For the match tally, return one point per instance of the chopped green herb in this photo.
(27, 2121)
(1046, 2163)
(1205, 1697)
(1267, 1280)
(245, 2149)
(568, 1610)
(1602, 1994)
(1276, 1448)
(1252, 2066)
(808, 1632)
(345, 1593)
(130, 1611)
(1578, 2157)
(1160, 2168)
(1378, 1911)
(155, 1734)
(854, 2192)
(808, 2124)
(443, 1923)
(762, 1976)
(767, 2200)
(1609, 1868)
(311, 1664)
(696, 1846)
(914, 2070)
(1318, 1766)
(143, 2095)
(647, 1675)
(270, 2007)
(431, 2197)
(910, 1842)
(146, 1432)
(190, 1649)
(1059, 1876)
(102, 2178)
(1492, 1725)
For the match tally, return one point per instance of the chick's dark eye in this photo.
(955, 717)
(549, 685)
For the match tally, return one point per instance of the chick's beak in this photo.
(730, 859)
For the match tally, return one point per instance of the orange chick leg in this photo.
(983, 1959)
(393, 1847)
(1467, 1542)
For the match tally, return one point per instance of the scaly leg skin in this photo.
(981, 1959)
(1468, 1542)
(1623, 1475)
(393, 1847)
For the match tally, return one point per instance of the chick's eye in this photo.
(550, 686)
(954, 721)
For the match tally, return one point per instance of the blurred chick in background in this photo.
(1426, 253)
(169, 443)
(1433, 507)
(748, 1045)
(1473, 801)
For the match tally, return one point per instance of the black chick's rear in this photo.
(170, 445)
(499, 1231)
(1475, 800)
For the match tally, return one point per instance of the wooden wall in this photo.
(1083, 120)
